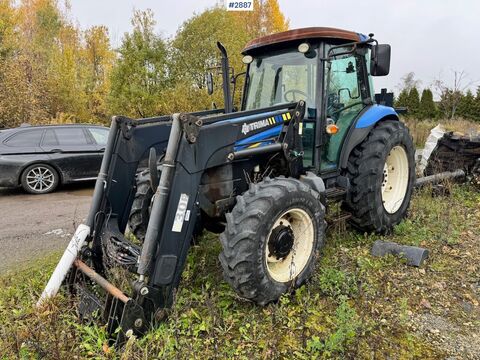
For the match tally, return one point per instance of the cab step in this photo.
(335, 192)
(342, 216)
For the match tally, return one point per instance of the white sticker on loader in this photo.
(180, 214)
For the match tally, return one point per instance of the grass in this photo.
(420, 129)
(356, 306)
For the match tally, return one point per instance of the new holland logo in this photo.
(246, 128)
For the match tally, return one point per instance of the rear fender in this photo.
(362, 126)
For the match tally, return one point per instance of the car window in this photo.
(100, 135)
(50, 138)
(71, 136)
(25, 138)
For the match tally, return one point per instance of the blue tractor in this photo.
(310, 131)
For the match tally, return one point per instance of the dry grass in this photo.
(420, 129)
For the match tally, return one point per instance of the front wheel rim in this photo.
(288, 267)
(396, 173)
(40, 179)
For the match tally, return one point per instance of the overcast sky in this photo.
(430, 37)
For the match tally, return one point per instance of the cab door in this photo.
(346, 92)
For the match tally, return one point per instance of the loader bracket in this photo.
(126, 126)
(132, 322)
(191, 126)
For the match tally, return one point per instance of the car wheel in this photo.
(39, 179)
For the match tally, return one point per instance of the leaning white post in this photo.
(65, 263)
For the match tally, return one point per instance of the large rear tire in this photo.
(382, 177)
(272, 239)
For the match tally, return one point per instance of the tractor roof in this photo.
(301, 34)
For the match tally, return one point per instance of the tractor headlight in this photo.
(304, 48)
(247, 59)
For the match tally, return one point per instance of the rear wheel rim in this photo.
(40, 179)
(289, 266)
(395, 179)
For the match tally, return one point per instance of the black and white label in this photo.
(180, 214)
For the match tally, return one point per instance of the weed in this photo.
(356, 306)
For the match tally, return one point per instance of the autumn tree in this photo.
(50, 70)
(266, 18)
(194, 51)
(140, 73)
(99, 60)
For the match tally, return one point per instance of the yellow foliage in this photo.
(52, 71)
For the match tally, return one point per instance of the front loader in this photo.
(308, 133)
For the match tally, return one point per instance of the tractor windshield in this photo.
(281, 77)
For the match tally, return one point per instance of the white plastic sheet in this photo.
(431, 143)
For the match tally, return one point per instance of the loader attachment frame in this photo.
(192, 143)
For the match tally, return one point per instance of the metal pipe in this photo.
(102, 175)
(257, 151)
(433, 179)
(161, 199)
(107, 286)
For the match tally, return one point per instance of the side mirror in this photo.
(380, 60)
(210, 83)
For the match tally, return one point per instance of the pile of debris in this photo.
(447, 154)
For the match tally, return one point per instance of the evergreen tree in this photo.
(466, 106)
(427, 108)
(476, 105)
(413, 102)
(402, 99)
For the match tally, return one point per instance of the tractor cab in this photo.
(330, 69)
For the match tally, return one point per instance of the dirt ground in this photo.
(35, 225)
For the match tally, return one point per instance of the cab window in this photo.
(282, 77)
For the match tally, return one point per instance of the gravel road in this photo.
(34, 225)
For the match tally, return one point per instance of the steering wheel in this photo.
(293, 91)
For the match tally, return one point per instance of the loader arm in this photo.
(193, 143)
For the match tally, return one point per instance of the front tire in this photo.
(272, 239)
(140, 211)
(39, 179)
(382, 176)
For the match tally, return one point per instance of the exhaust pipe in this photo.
(227, 98)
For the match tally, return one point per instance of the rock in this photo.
(425, 303)
(466, 306)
